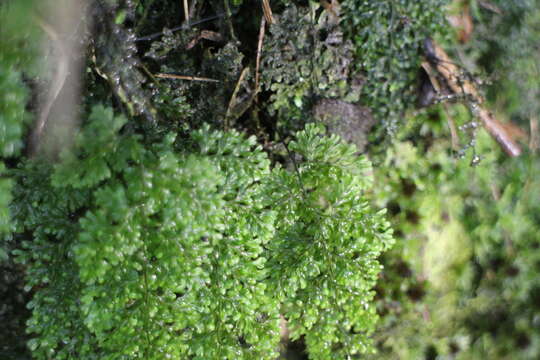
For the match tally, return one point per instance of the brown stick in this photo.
(432, 74)
(498, 132)
(259, 51)
(453, 128)
(234, 96)
(451, 123)
(204, 34)
(186, 10)
(268, 12)
(184, 77)
(450, 72)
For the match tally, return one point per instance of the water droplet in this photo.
(476, 160)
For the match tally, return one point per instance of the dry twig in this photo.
(453, 128)
(233, 102)
(451, 74)
(259, 52)
(204, 34)
(184, 77)
(267, 10)
(186, 10)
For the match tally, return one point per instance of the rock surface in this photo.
(351, 122)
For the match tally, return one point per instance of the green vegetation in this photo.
(18, 53)
(231, 194)
(460, 280)
(388, 37)
(168, 252)
(305, 59)
(510, 52)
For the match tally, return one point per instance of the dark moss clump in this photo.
(388, 37)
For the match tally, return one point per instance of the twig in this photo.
(453, 129)
(184, 77)
(450, 72)
(267, 10)
(204, 34)
(432, 76)
(498, 132)
(186, 10)
(259, 51)
(234, 96)
(451, 123)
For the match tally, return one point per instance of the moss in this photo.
(388, 37)
(305, 59)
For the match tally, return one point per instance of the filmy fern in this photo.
(323, 259)
(16, 52)
(193, 249)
